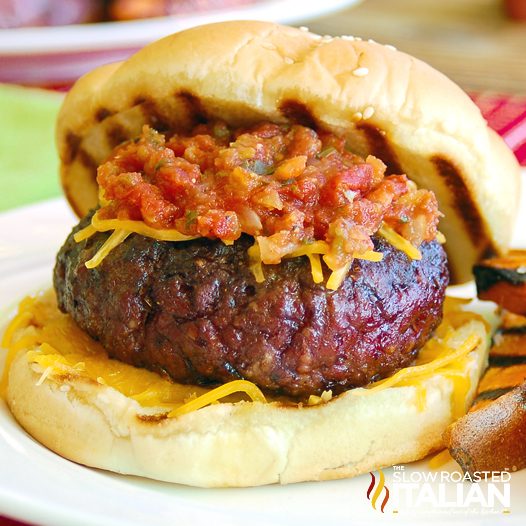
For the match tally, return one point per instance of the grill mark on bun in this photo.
(137, 101)
(86, 159)
(154, 116)
(380, 147)
(116, 134)
(462, 201)
(151, 113)
(102, 113)
(193, 107)
(72, 143)
(152, 419)
(492, 394)
(297, 113)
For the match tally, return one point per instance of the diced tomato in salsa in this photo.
(288, 184)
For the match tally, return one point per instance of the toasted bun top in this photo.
(385, 102)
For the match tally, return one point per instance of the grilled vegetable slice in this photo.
(507, 363)
(503, 280)
(492, 438)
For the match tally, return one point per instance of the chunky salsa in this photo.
(289, 186)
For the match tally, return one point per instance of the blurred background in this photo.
(480, 44)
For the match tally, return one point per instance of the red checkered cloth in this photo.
(507, 116)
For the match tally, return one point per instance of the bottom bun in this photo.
(251, 443)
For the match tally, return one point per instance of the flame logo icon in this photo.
(378, 491)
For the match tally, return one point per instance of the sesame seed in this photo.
(65, 388)
(304, 28)
(358, 38)
(392, 48)
(315, 36)
(371, 41)
(328, 37)
(268, 45)
(347, 37)
(360, 72)
(288, 60)
(368, 112)
(357, 116)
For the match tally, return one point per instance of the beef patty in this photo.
(193, 310)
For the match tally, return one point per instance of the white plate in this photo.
(136, 33)
(38, 486)
(47, 56)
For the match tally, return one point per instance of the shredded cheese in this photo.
(337, 276)
(370, 255)
(441, 238)
(21, 321)
(461, 385)
(84, 233)
(399, 242)
(115, 239)
(442, 358)
(216, 394)
(315, 265)
(317, 247)
(122, 228)
(446, 357)
(256, 267)
(137, 227)
(325, 397)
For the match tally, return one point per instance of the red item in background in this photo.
(15, 13)
(516, 9)
(4, 521)
(56, 69)
(136, 9)
(506, 114)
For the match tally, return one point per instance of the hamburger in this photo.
(256, 290)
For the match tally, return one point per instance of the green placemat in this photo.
(28, 157)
